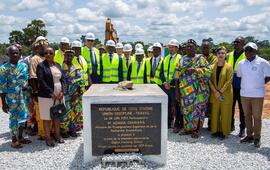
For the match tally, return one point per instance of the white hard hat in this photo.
(139, 51)
(157, 44)
(139, 45)
(64, 40)
(76, 44)
(110, 43)
(119, 45)
(150, 48)
(174, 42)
(251, 45)
(127, 48)
(90, 36)
(40, 38)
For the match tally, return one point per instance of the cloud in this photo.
(63, 4)
(146, 20)
(30, 4)
(257, 2)
(84, 14)
(228, 6)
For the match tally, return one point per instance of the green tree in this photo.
(16, 36)
(28, 34)
(33, 30)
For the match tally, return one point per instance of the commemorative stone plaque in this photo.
(125, 121)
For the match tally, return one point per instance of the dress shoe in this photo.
(241, 133)
(257, 143)
(247, 139)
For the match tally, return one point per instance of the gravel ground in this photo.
(183, 153)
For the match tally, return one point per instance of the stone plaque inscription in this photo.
(118, 128)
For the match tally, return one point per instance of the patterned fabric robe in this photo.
(194, 90)
(73, 90)
(12, 80)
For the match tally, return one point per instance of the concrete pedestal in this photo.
(120, 121)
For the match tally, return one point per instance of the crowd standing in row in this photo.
(197, 85)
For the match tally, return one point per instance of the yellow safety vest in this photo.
(82, 67)
(131, 58)
(86, 55)
(59, 57)
(169, 74)
(139, 78)
(157, 78)
(231, 60)
(110, 69)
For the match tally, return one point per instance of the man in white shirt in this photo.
(254, 72)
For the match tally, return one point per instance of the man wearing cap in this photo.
(234, 58)
(92, 56)
(112, 67)
(211, 59)
(59, 54)
(254, 72)
(80, 62)
(127, 54)
(205, 49)
(40, 44)
(156, 65)
(169, 65)
(138, 73)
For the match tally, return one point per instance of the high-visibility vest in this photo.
(169, 74)
(82, 67)
(231, 60)
(157, 78)
(131, 58)
(59, 57)
(86, 54)
(110, 69)
(138, 78)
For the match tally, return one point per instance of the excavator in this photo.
(110, 32)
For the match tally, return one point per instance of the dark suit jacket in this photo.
(45, 78)
(144, 75)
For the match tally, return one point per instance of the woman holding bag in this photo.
(50, 92)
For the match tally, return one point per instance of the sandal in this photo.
(60, 140)
(195, 134)
(16, 145)
(24, 141)
(183, 132)
(176, 130)
(49, 143)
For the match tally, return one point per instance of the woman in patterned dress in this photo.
(73, 90)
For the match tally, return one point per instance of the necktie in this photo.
(169, 69)
(138, 68)
(110, 57)
(92, 57)
(154, 66)
(127, 62)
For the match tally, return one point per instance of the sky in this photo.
(141, 20)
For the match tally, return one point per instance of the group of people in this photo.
(197, 85)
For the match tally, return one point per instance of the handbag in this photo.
(57, 110)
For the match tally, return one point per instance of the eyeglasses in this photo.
(221, 53)
(90, 40)
(248, 49)
(49, 53)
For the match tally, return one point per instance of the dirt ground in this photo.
(266, 109)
